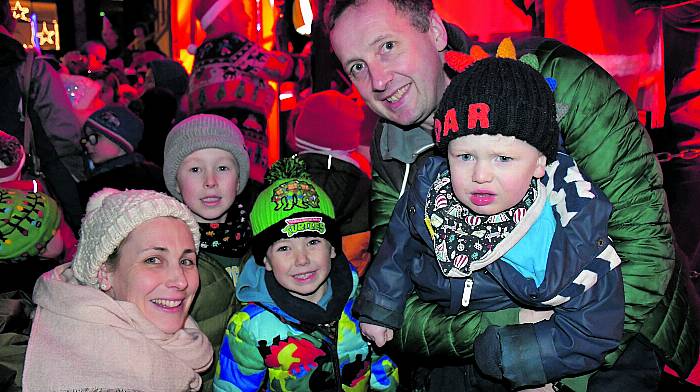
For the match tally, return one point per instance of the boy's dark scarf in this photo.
(228, 239)
(308, 312)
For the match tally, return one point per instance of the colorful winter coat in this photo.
(558, 257)
(601, 132)
(282, 343)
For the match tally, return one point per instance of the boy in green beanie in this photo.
(296, 332)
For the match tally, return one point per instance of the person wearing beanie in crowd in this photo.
(30, 240)
(168, 74)
(335, 164)
(110, 137)
(231, 76)
(12, 161)
(502, 219)
(206, 167)
(299, 292)
(116, 318)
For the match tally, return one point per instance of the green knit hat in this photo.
(28, 221)
(292, 206)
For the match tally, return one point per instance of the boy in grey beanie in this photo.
(206, 166)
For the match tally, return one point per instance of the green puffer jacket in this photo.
(601, 131)
(214, 304)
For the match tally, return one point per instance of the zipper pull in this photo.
(467, 293)
(429, 226)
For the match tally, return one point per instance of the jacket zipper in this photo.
(333, 349)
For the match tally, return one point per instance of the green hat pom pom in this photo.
(531, 60)
(291, 167)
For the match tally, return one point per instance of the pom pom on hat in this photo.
(291, 206)
(11, 156)
(197, 133)
(109, 218)
(28, 221)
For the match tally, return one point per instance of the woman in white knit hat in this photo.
(117, 317)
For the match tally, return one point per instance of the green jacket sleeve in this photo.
(214, 304)
(601, 131)
(428, 332)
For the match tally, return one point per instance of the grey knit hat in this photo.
(199, 132)
(111, 215)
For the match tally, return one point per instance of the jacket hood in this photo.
(11, 51)
(257, 285)
(251, 284)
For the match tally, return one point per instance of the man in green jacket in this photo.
(396, 60)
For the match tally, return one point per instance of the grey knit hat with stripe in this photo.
(499, 96)
(197, 133)
(111, 215)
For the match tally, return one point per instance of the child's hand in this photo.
(379, 335)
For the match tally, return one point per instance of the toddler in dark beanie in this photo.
(503, 220)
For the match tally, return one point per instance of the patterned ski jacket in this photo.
(564, 247)
(281, 343)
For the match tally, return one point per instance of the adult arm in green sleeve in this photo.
(602, 132)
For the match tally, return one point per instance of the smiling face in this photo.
(156, 270)
(491, 173)
(301, 265)
(208, 182)
(397, 69)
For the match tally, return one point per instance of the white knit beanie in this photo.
(111, 215)
(197, 133)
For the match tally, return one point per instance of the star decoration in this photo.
(45, 35)
(19, 12)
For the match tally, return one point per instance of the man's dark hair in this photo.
(417, 10)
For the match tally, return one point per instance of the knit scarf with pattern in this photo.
(229, 239)
(460, 236)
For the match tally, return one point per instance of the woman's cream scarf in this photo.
(83, 339)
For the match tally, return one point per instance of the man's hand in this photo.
(379, 335)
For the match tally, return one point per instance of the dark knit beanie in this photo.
(119, 125)
(499, 96)
(170, 75)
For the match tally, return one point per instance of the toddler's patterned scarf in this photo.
(461, 237)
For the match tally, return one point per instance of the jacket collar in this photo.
(404, 145)
(122, 160)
